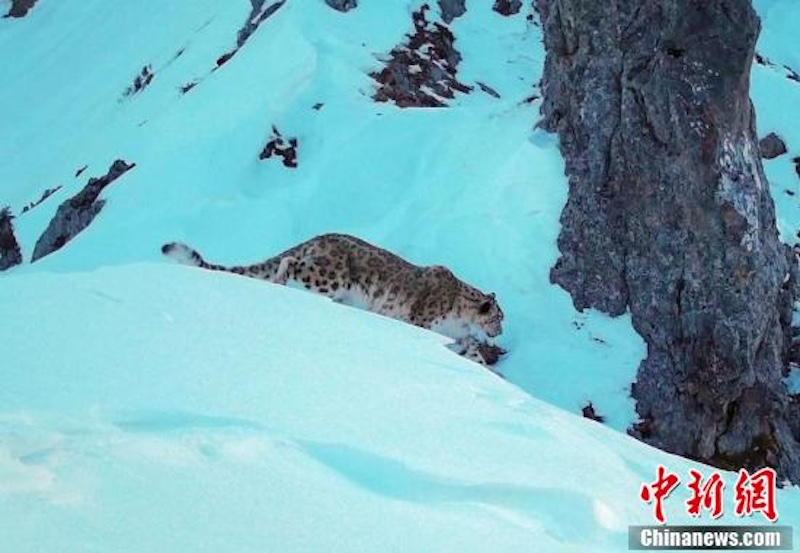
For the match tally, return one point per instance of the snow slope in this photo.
(471, 187)
(163, 408)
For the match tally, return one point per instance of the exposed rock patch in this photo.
(787, 71)
(284, 148)
(422, 71)
(260, 11)
(771, 146)
(140, 82)
(488, 89)
(507, 7)
(451, 9)
(490, 353)
(669, 215)
(77, 213)
(20, 8)
(342, 5)
(10, 252)
(588, 411)
(46, 194)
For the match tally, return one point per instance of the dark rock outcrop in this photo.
(45, 195)
(422, 71)
(342, 5)
(589, 412)
(507, 7)
(77, 213)
(20, 8)
(771, 146)
(10, 252)
(451, 9)
(260, 11)
(284, 148)
(141, 81)
(669, 215)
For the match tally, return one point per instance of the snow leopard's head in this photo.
(483, 311)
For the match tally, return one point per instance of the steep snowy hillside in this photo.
(172, 409)
(472, 186)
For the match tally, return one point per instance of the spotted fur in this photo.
(352, 271)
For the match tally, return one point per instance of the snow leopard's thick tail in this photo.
(189, 256)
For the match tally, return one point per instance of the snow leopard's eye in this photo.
(485, 307)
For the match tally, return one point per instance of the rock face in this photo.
(669, 215)
(421, 72)
(259, 12)
(10, 253)
(451, 9)
(20, 8)
(77, 213)
(284, 148)
(771, 146)
(507, 7)
(342, 5)
(140, 82)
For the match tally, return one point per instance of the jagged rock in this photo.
(589, 412)
(259, 13)
(342, 5)
(771, 146)
(46, 194)
(77, 213)
(10, 252)
(507, 7)
(422, 71)
(451, 9)
(488, 89)
(281, 147)
(490, 353)
(669, 215)
(20, 8)
(141, 81)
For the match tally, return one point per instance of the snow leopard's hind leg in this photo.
(285, 269)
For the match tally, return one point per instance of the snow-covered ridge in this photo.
(469, 187)
(169, 408)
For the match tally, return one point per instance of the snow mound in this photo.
(174, 409)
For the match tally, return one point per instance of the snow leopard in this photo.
(354, 272)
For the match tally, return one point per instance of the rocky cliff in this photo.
(670, 216)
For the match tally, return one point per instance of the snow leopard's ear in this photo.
(491, 295)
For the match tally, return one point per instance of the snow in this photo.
(412, 181)
(145, 405)
(169, 408)
(775, 98)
